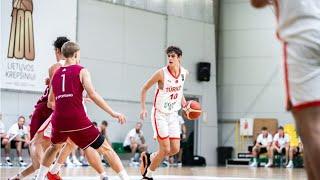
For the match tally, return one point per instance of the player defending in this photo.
(69, 119)
(168, 101)
(299, 30)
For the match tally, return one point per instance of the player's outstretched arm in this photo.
(260, 3)
(156, 77)
(96, 98)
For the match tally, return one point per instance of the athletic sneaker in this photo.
(290, 165)
(76, 161)
(8, 162)
(53, 176)
(84, 162)
(254, 164)
(68, 162)
(22, 163)
(144, 165)
(269, 164)
(105, 178)
(165, 163)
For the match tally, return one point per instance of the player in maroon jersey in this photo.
(41, 128)
(69, 119)
(41, 112)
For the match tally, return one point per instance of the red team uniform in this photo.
(69, 118)
(40, 114)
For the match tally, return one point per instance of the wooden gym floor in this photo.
(178, 173)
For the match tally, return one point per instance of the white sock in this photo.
(270, 161)
(7, 158)
(255, 160)
(290, 161)
(81, 158)
(123, 175)
(42, 172)
(55, 168)
(20, 158)
(149, 173)
(102, 175)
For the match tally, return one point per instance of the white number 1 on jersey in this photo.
(63, 81)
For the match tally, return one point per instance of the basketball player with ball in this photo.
(168, 101)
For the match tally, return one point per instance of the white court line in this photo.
(163, 177)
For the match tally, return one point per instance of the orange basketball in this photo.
(192, 110)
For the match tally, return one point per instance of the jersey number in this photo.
(174, 96)
(63, 82)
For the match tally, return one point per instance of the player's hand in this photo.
(120, 117)
(143, 114)
(184, 104)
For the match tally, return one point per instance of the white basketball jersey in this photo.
(168, 99)
(298, 20)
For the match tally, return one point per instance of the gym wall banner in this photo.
(28, 29)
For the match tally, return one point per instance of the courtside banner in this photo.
(28, 29)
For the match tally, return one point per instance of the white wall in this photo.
(249, 67)
(122, 47)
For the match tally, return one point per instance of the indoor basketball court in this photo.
(159, 89)
(185, 173)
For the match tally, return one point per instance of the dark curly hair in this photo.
(174, 49)
(58, 43)
(104, 123)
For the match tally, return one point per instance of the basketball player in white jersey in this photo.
(299, 30)
(168, 101)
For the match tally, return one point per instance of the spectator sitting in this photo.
(294, 151)
(17, 136)
(2, 129)
(103, 128)
(280, 145)
(135, 142)
(263, 145)
(2, 132)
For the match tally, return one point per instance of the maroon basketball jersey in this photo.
(69, 113)
(44, 97)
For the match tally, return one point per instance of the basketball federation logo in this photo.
(21, 40)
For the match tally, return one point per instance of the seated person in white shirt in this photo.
(18, 136)
(135, 142)
(280, 145)
(263, 145)
(2, 132)
(2, 129)
(294, 151)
